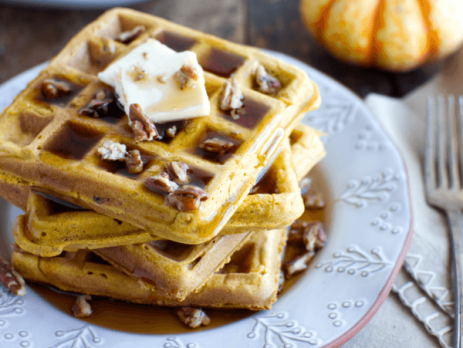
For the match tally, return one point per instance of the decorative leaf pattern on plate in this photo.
(376, 188)
(77, 338)
(174, 342)
(279, 332)
(353, 261)
(9, 302)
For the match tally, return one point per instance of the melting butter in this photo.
(146, 76)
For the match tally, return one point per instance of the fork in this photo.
(443, 175)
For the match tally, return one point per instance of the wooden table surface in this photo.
(30, 36)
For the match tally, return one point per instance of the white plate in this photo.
(369, 231)
(74, 4)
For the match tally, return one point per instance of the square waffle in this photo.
(46, 143)
(249, 280)
(51, 225)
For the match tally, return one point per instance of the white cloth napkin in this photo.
(418, 313)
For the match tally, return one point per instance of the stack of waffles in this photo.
(92, 226)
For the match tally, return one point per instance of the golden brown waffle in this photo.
(48, 228)
(47, 144)
(248, 281)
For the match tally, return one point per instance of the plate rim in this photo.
(354, 329)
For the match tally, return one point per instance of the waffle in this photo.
(47, 144)
(49, 227)
(248, 281)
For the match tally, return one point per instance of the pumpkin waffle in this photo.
(46, 143)
(52, 225)
(249, 280)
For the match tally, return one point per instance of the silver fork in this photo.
(443, 174)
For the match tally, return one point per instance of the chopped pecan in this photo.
(186, 198)
(99, 105)
(138, 74)
(310, 234)
(193, 317)
(217, 145)
(112, 151)
(134, 162)
(298, 264)
(161, 182)
(265, 82)
(231, 97)
(236, 113)
(178, 172)
(170, 133)
(130, 35)
(81, 308)
(52, 88)
(186, 76)
(12, 279)
(313, 200)
(314, 236)
(143, 128)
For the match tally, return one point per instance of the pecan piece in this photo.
(265, 82)
(178, 172)
(171, 132)
(310, 234)
(112, 151)
(143, 128)
(134, 162)
(186, 198)
(186, 76)
(217, 145)
(298, 264)
(314, 236)
(52, 88)
(128, 36)
(193, 317)
(161, 183)
(12, 279)
(99, 105)
(231, 97)
(81, 308)
(313, 200)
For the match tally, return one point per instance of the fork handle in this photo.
(456, 229)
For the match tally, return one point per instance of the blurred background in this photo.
(33, 31)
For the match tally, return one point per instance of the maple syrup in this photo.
(267, 184)
(73, 141)
(175, 41)
(112, 113)
(216, 156)
(163, 127)
(145, 319)
(61, 101)
(250, 114)
(222, 63)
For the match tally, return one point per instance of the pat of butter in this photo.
(146, 76)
